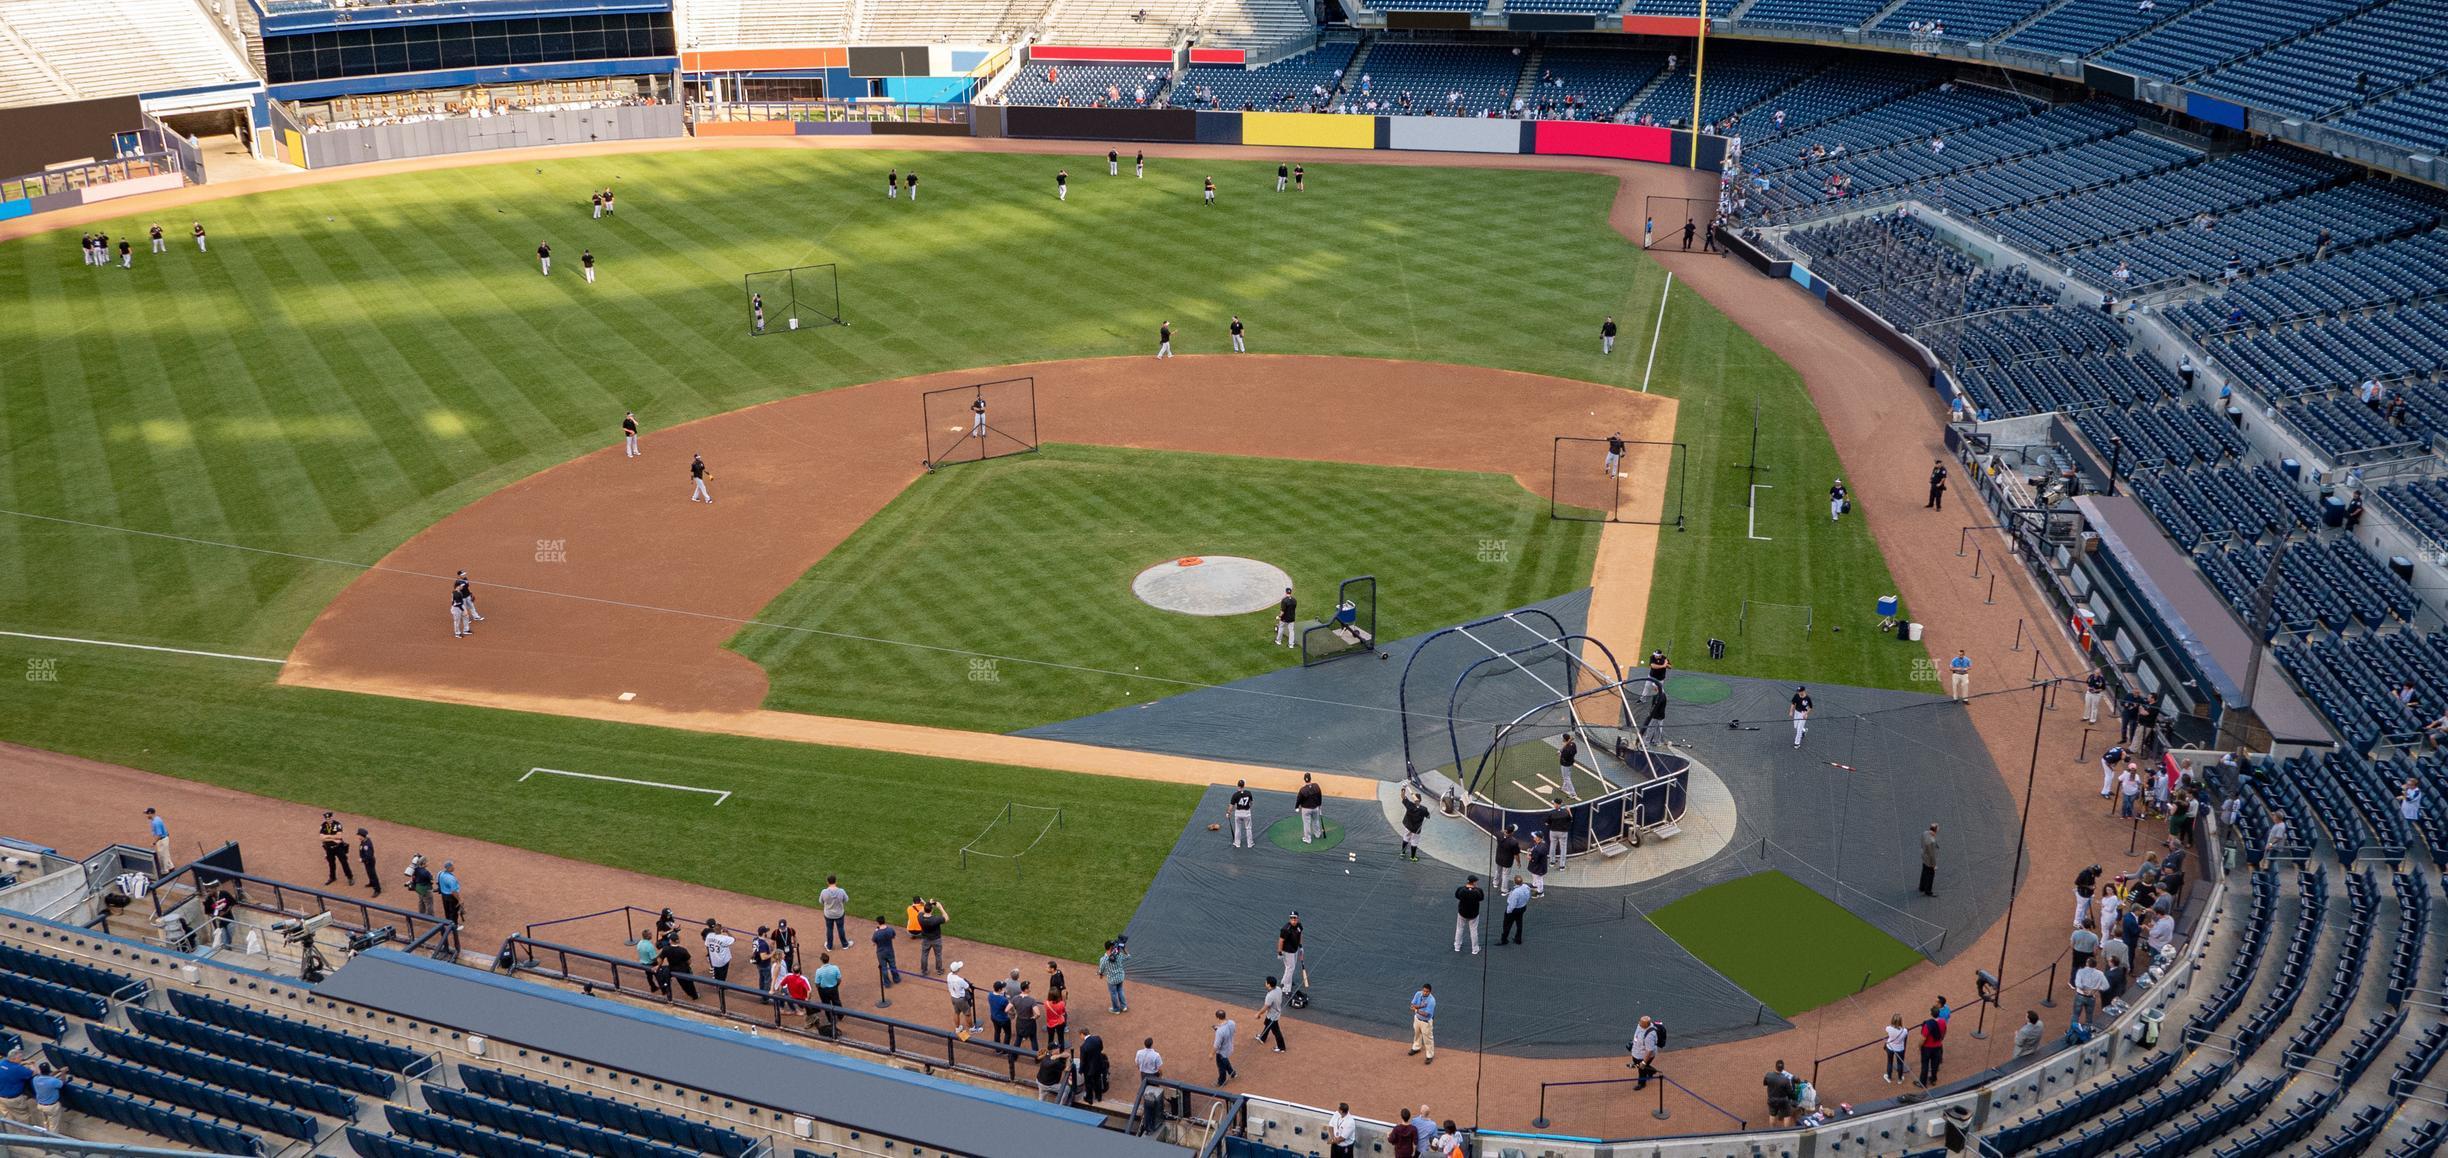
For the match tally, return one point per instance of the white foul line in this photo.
(1654, 334)
(142, 647)
(1753, 529)
(719, 794)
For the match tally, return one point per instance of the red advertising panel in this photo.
(1585, 139)
(1218, 56)
(1089, 54)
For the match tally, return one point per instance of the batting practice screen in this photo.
(980, 421)
(1664, 216)
(779, 299)
(1644, 486)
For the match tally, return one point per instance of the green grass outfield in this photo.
(354, 360)
(1783, 943)
(1033, 556)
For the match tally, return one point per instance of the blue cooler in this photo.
(1887, 606)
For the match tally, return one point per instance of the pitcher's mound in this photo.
(1211, 585)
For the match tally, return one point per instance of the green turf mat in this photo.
(1788, 946)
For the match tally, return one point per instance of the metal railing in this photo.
(419, 932)
(923, 1045)
(829, 111)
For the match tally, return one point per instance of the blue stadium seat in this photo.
(73, 974)
(606, 1112)
(161, 1121)
(307, 1095)
(298, 1034)
(204, 1099)
(270, 1055)
(1287, 85)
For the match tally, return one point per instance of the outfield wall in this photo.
(1348, 131)
(321, 150)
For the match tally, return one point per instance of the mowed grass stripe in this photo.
(1031, 559)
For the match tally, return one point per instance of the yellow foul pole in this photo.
(1699, 71)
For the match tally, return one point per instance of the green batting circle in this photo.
(1285, 834)
(1692, 689)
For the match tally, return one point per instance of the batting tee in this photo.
(979, 421)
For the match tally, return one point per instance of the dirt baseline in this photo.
(608, 593)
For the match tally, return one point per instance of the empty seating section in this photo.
(1084, 85)
(605, 1112)
(2417, 117)
(73, 974)
(2395, 44)
(256, 1051)
(1831, 13)
(2212, 34)
(1126, 22)
(1836, 92)
(2402, 272)
(2329, 584)
(23, 80)
(547, 1128)
(2405, 967)
(34, 1019)
(2082, 27)
(28, 991)
(176, 1125)
(368, 1144)
(2069, 170)
(943, 21)
(1717, 8)
(1602, 79)
(1430, 75)
(237, 1075)
(1911, 120)
(2134, 1081)
(2174, 197)
(1913, 167)
(103, 48)
(1425, 5)
(2178, 436)
(2314, 357)
(1962, 19)
(713, 24)
(139, 1081)
(1734, 83)
(2214, 503)
(315, 1038)
(2342, 426)
(2350, 680)
(2142, 1114)
(1285, 85)
(2264, 235)
(1257, 24)
(2422, 506)
(2237, 983)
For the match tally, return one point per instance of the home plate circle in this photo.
(1211, 585)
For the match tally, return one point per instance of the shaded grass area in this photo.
(1032, 557)
(889, 825)
(1786, 945)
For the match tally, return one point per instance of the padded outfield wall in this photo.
(1348, 131)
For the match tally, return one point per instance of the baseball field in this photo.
(202, 453)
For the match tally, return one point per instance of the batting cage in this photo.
(1666, 216)
(779, 299)
(1350, 630)
(1588, 482)
(980, 421)
(1468, 690)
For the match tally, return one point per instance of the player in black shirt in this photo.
(544, 256)
(1288, 945)
(1140, 164)
(1606, 335)
(1285, 613)
(1559, 832)
(127, 254)
(1113, 163)
(912, 180)
(756, 304)
(697, 478)
(1210, 198)
(1800, 709)
(1236, 334)
(629, 433)
(159, 245)
(1062, 185)
(586, 261)
(1238, 812)
(892, 184)
(1614, 458)
(1307, 802)
(977, 416)
(1467, 900)
(1283, 174)
(1164, 339)
(1689, 228)
(1300, 178)
(1415, 816)
(199, 236)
